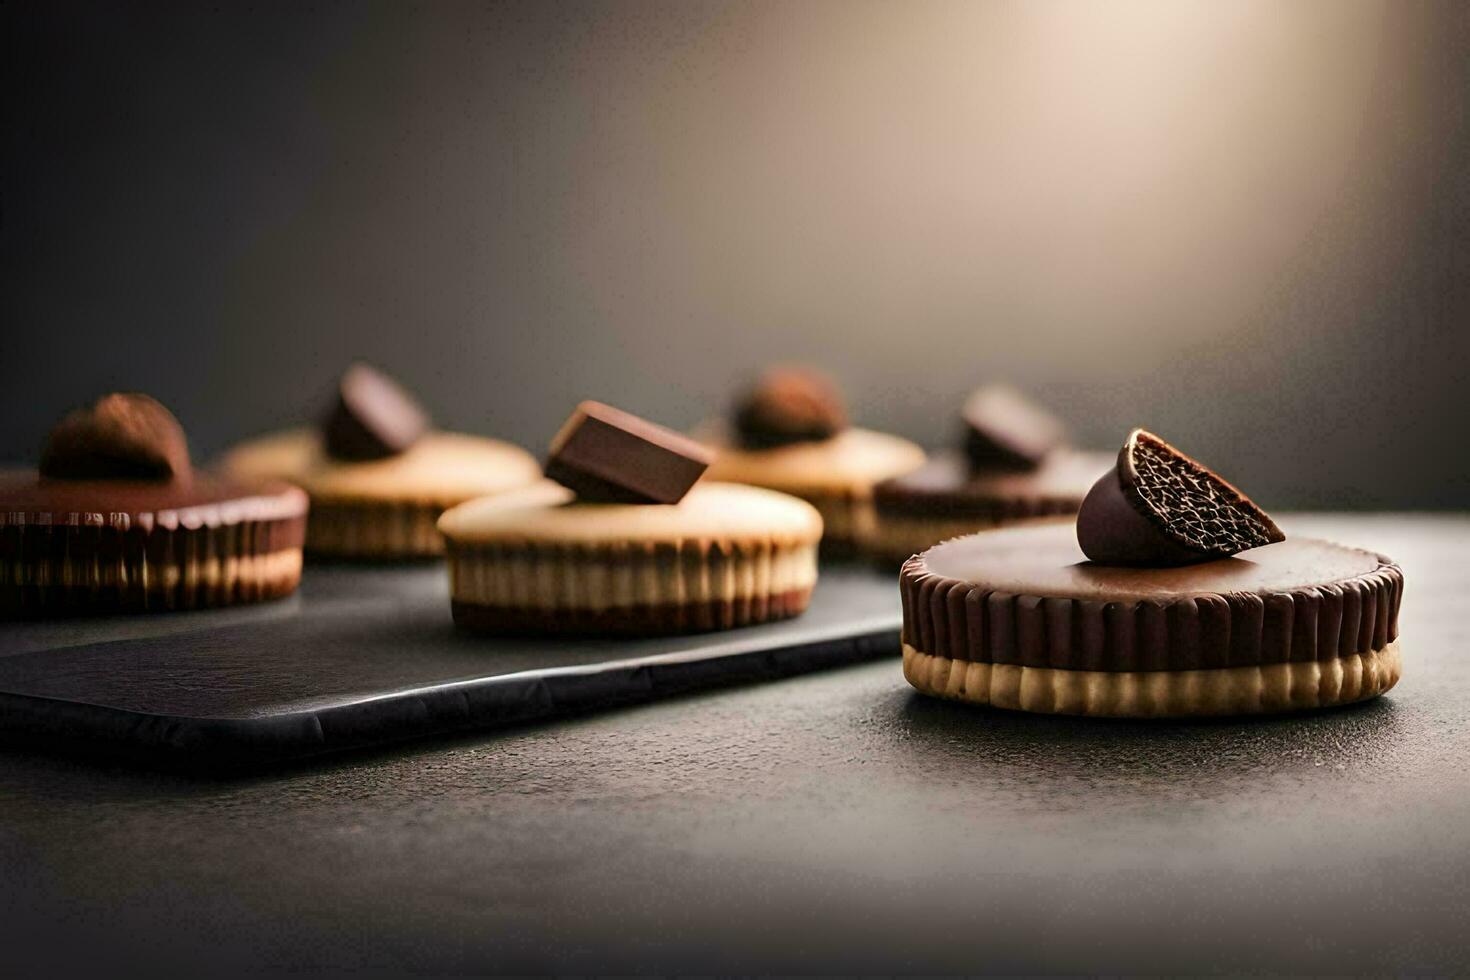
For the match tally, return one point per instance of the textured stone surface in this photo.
(835, 821)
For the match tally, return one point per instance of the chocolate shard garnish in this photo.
(118, 437)
(605, 455)
(1006, 430)
(373, 417)
(789, 405)
(1159, 507)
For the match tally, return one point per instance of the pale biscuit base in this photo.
(1158, 693)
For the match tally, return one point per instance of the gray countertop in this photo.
(832, 821)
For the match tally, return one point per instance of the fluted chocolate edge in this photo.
(642, 620)
(964, 621)
(121, 563)
(374, 529)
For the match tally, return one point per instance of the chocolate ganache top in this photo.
(22, 492)
(1045, 560)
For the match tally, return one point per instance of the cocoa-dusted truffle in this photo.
(1159, 507)
(606, 455)
(373, 417)
(120, 437)
(789, 405)
(1006, 430)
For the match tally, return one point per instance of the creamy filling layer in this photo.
(606, 578)
(1158, 693)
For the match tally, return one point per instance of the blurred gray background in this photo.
(1245, 225)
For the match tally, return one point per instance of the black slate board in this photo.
(364, 656)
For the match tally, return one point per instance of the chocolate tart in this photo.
(949, 496)
(790, 433)
(378, 474)
(1012, 465)
(626, 542)
(539, 560)
(836, 476)
(117, 520)
(1018, 618)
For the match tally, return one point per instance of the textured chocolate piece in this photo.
(117, 437)
(789, 405)
(1022, 597)
(373, 417)
(606, 455)
(1004, 429)
(1159, 507)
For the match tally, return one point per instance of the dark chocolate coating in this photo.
(25, 493)
(1024, 596)
(789, 405)
(1004, 429)
(606, 455)
(1111, 529)
(142, 545)
(117, 437)
(373, 417)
